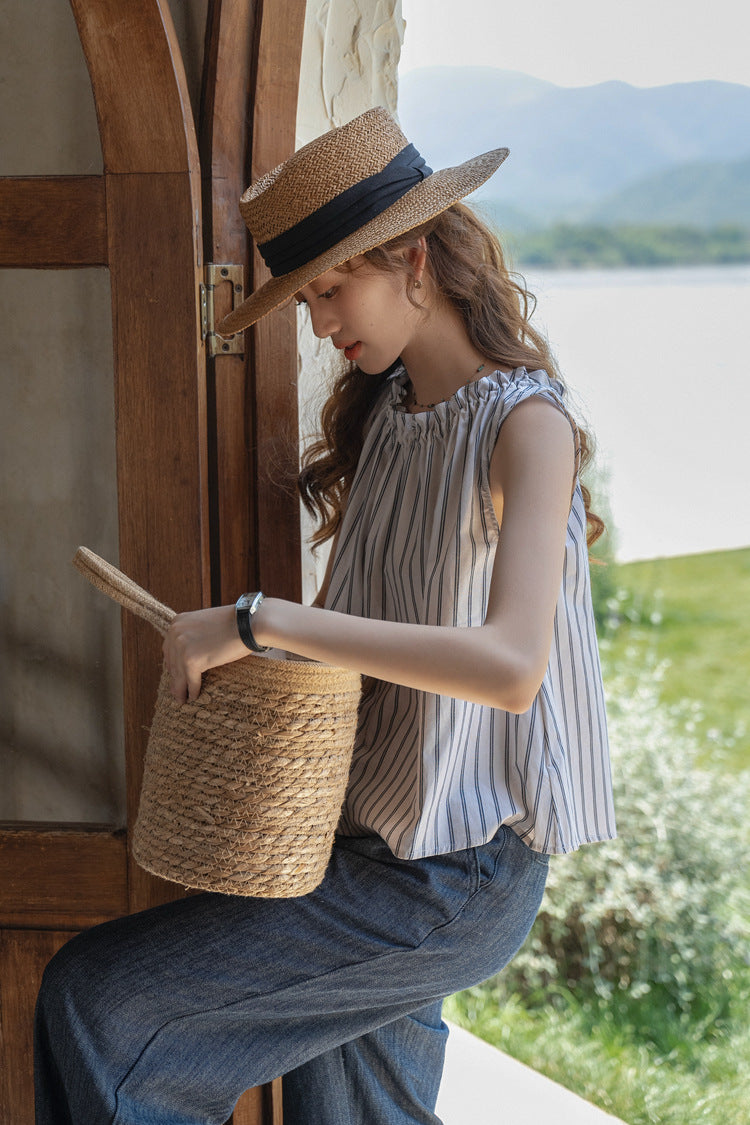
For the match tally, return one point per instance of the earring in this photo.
(417, 283)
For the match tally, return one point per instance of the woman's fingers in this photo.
(194, 684)
(196, 642)
(178, 687)
(184, 680)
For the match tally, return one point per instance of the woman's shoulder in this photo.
(501, 391)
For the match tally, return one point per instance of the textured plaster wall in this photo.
(350, 56)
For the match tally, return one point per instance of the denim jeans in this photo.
(166, 1017)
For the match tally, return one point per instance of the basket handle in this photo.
(122, 589)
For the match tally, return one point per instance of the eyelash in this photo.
(327, 296)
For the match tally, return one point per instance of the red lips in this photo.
(351, 351)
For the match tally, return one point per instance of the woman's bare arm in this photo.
(501, 663)
(320, 597)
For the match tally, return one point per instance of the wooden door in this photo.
(199, 522)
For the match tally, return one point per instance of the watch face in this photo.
(249, 602)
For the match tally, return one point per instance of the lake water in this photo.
(659, 365)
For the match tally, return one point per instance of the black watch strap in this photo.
(246, 606)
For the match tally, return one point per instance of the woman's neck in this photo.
(440, 358)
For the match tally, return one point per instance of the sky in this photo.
(582, 42)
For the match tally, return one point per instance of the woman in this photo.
(448, 477)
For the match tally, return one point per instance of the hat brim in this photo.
(428, 198)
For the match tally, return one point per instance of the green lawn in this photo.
(693, 613)
(708, 1085)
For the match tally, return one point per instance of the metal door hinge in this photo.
(218, 275)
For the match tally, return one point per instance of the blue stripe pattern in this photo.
(432, 774)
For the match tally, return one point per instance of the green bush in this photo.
(659, 919)
(603, 568)
(605, 592)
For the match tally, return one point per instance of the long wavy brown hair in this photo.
(467, 266)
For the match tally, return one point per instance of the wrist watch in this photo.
(245, 607)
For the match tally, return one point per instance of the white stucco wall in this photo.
(350, 59)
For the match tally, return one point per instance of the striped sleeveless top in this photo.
(432, 774)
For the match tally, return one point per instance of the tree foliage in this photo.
(572, 246)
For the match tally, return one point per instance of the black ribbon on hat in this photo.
(347, 212)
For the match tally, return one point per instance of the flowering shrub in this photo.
(665, 908)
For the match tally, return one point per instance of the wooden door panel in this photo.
(260, 1106)
(143, 220)
(23, 957)
(145, 223)
(255, 397)
(228, 82)
(61, 876)
(273, 341)
(52, 222)
(160, 396)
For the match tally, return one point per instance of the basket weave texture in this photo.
(243, 787)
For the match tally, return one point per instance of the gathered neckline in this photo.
(471, 392)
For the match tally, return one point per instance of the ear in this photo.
(416, 256)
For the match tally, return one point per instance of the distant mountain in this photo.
(702, 194)
(587, 152)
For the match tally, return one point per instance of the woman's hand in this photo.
(196, 642)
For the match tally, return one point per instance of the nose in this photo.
(324, 323)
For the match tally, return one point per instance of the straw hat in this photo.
(340, 195)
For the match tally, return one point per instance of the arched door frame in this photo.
(198, 519)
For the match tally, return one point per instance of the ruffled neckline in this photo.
(473, 392)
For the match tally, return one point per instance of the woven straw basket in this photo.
(242, 789)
